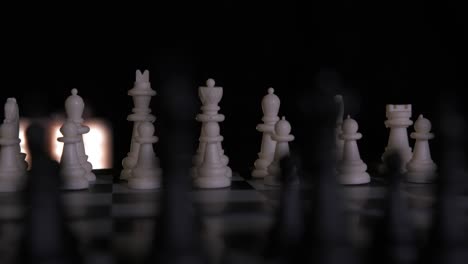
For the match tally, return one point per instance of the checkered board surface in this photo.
(114, 224)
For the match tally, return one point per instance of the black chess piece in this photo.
(326, 237)
(177, 238)
(393, 235)
(283, 243)
(447, 241)
(46, 237)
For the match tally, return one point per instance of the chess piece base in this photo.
(75, 183)
(271, 180)
(212, 182)
(90, 176)
(126, 174)
(421, 172)
(228, 172)
(354, 178)
(259, 173)
(144, 183)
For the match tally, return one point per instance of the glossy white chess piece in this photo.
(421, 168)
(210, 96)
(351, 168)
(72, 172)
(398, 120)
(212, 171)
(146, 174)
(282, 137)
(11, 175)
(74, 107)
(270, 107)
(141, 94)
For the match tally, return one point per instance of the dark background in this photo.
(373, 54)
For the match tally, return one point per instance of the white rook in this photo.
(398, 120)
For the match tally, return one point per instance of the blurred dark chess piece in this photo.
(447, 240)
(393, 236)
(326, 237)
(283, 243)
(46, 238)
(177, 238)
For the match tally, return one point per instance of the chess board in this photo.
(114, 223)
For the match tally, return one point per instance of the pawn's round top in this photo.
(146, 130)
(422, 125)
(271, 103)
(282, 127)
(74, 106)
(350, 126)
(210, 83)
(211, 129)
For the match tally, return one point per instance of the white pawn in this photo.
(270, 107)
(11, 176)
(72, 173)
(351, 168)
(282, 137)
(212, 171)
(421, 168)
(74, 107)
(146, 174)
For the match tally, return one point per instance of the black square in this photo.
(241, 185)
(100, 188)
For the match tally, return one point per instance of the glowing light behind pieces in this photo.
(98, 142)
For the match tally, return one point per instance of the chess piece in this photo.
(46, 236)
(11, 175)
(212, 172)
(338, 127)
(270, 107)
(210, 96)
(351, 168)
(146, 174)
(398, 120)
(282, 137)
(12, 116)
(72, 172)
(178, 231)
(141, 94)
(421, 168)
(74, 107)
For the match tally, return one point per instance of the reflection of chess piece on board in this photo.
(282, 136)
(212, 171)
(74, 107)
(146, 174)
(210, 96)
(270, 107)
(12, 116)
(398, 120)
(141, 94)
(421, 168)
(11, 175)
(351, 168)
(72, 172)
